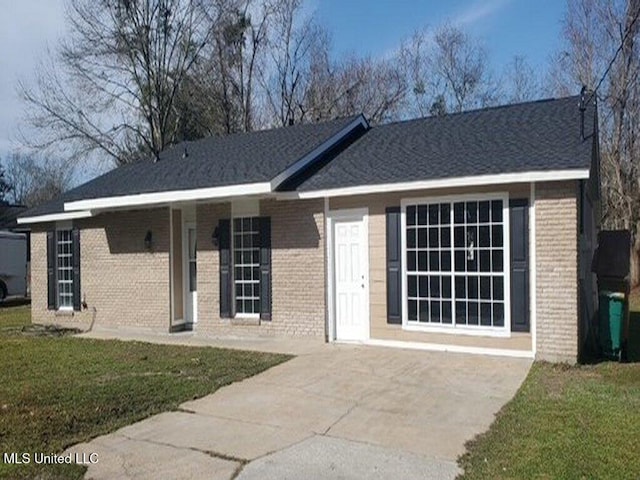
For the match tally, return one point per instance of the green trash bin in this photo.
(611, 320)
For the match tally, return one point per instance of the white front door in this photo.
(351, 275)
(191, 273)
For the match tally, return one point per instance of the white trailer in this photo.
(13, 264)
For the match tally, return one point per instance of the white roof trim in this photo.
(311, 156)
(472, 181)
(156, 198)
(55, 217)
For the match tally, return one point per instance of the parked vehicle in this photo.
(13, 264)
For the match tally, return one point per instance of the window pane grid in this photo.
(246, 255)
(64, 273)
(458, 242)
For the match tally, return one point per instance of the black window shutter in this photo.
(75, 235)
(519, 246)
(265, 268)
(51, 270)
(224, 242)
(394, 264)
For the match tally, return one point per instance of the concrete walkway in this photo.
(334, 411)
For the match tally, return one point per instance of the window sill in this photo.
(478, 331)
(251, 321)
(64, 312)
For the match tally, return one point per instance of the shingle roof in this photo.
(528, 137)
(211, 162)
(535, 136)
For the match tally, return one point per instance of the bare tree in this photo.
(376, 88)
(35, 181)
(286, 78)
(199, 104)
(5, 185)
(112, 85)
(603, 38)
(522, 82)
(416, 60)
(460, 71)
(447, 71)
(240, 33)
(585, 51)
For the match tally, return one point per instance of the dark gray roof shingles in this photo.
(211, 162)
(535, 136)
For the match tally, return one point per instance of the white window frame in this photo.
(188, 222)
(60, 227)
(452, 328)
(234, 217)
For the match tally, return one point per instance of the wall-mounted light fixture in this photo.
(148, 240)
(215, 237)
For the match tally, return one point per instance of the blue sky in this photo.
(366, 27)
(506, 27)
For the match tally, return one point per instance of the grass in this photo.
(13, 319)
(56, 390)
(565, 422)
(569, 422)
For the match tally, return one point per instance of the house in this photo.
(468, 232)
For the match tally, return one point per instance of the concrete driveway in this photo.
(335, 412)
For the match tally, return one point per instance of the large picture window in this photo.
(455, 263)
(64, 268)
(246, 267)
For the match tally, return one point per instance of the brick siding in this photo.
(298, 271)
(126, 284)
(129, 286)
(557, 271)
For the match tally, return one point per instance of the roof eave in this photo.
(469, 181)
(54, 217)
(160, 198)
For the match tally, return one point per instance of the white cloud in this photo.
(478, 11)
(470, 16)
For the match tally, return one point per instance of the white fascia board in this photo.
(315, 153)
(156, 198)
(473, 181)
(55, 217)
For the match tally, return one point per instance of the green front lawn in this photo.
(580, 422)
(56, 391)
